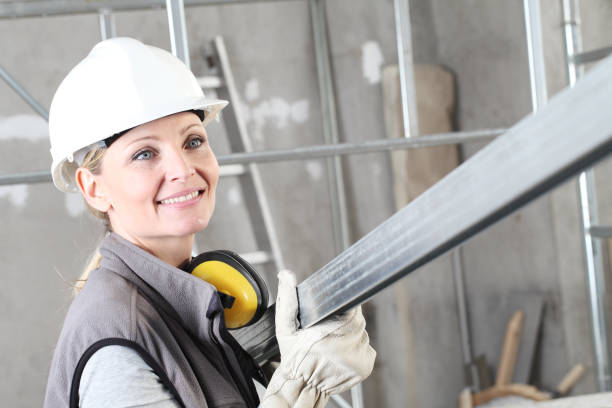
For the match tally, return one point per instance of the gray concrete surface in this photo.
(46, 236)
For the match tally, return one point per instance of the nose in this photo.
(178, 165)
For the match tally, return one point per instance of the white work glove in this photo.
(325, 359)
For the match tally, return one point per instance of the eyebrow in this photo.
(155, 137)
(186, 128)
(141, 138)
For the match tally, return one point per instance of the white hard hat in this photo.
(121, 84)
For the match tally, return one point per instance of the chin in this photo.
(191, 227)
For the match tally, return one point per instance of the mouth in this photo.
(183, 198)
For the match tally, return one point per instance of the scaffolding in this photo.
(575, 58)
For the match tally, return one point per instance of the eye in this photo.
(143, 155)
(195, 142)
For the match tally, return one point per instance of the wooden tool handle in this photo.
(510, 349)
(521, 390)
(570, 379)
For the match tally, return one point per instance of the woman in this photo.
(127, 130)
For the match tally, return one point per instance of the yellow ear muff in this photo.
(233, 276)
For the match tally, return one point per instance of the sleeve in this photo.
(116, 376)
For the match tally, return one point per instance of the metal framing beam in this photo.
(372, 146)
(43, 8)
(471, 371)
(335, 175)
(591, 56)
(107, 24)
(601, 231)
(304, 153)
(178, 30)
(21, 91)
(25, 178)
(45, 177)
(403, 38)
(535, 53)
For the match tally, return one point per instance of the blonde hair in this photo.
(93, 163)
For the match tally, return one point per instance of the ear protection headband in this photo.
(243, 292)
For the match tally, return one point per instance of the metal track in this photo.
(571, 133)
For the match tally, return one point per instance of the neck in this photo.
(172, 250)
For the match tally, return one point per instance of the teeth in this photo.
(189, 196)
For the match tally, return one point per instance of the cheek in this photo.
(215, 175)
(211, 169)
(134, 191)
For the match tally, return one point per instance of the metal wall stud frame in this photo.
(574, 58)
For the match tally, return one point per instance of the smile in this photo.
(181, 199)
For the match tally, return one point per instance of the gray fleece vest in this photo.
(172, 319)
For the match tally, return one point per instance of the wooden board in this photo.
(415, 170)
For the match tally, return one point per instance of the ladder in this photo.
(248, 175)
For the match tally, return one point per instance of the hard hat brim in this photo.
(63, 171)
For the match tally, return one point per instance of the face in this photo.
(159, 179)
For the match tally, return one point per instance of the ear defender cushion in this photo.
(232, 275)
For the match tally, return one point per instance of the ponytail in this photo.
(93, 263)
(93, 162)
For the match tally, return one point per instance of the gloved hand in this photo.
(325, 359)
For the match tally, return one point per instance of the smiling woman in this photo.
(157, 185)
(127, 130)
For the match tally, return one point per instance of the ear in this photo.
(90, 186)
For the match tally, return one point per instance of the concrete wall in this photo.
(46, 236)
